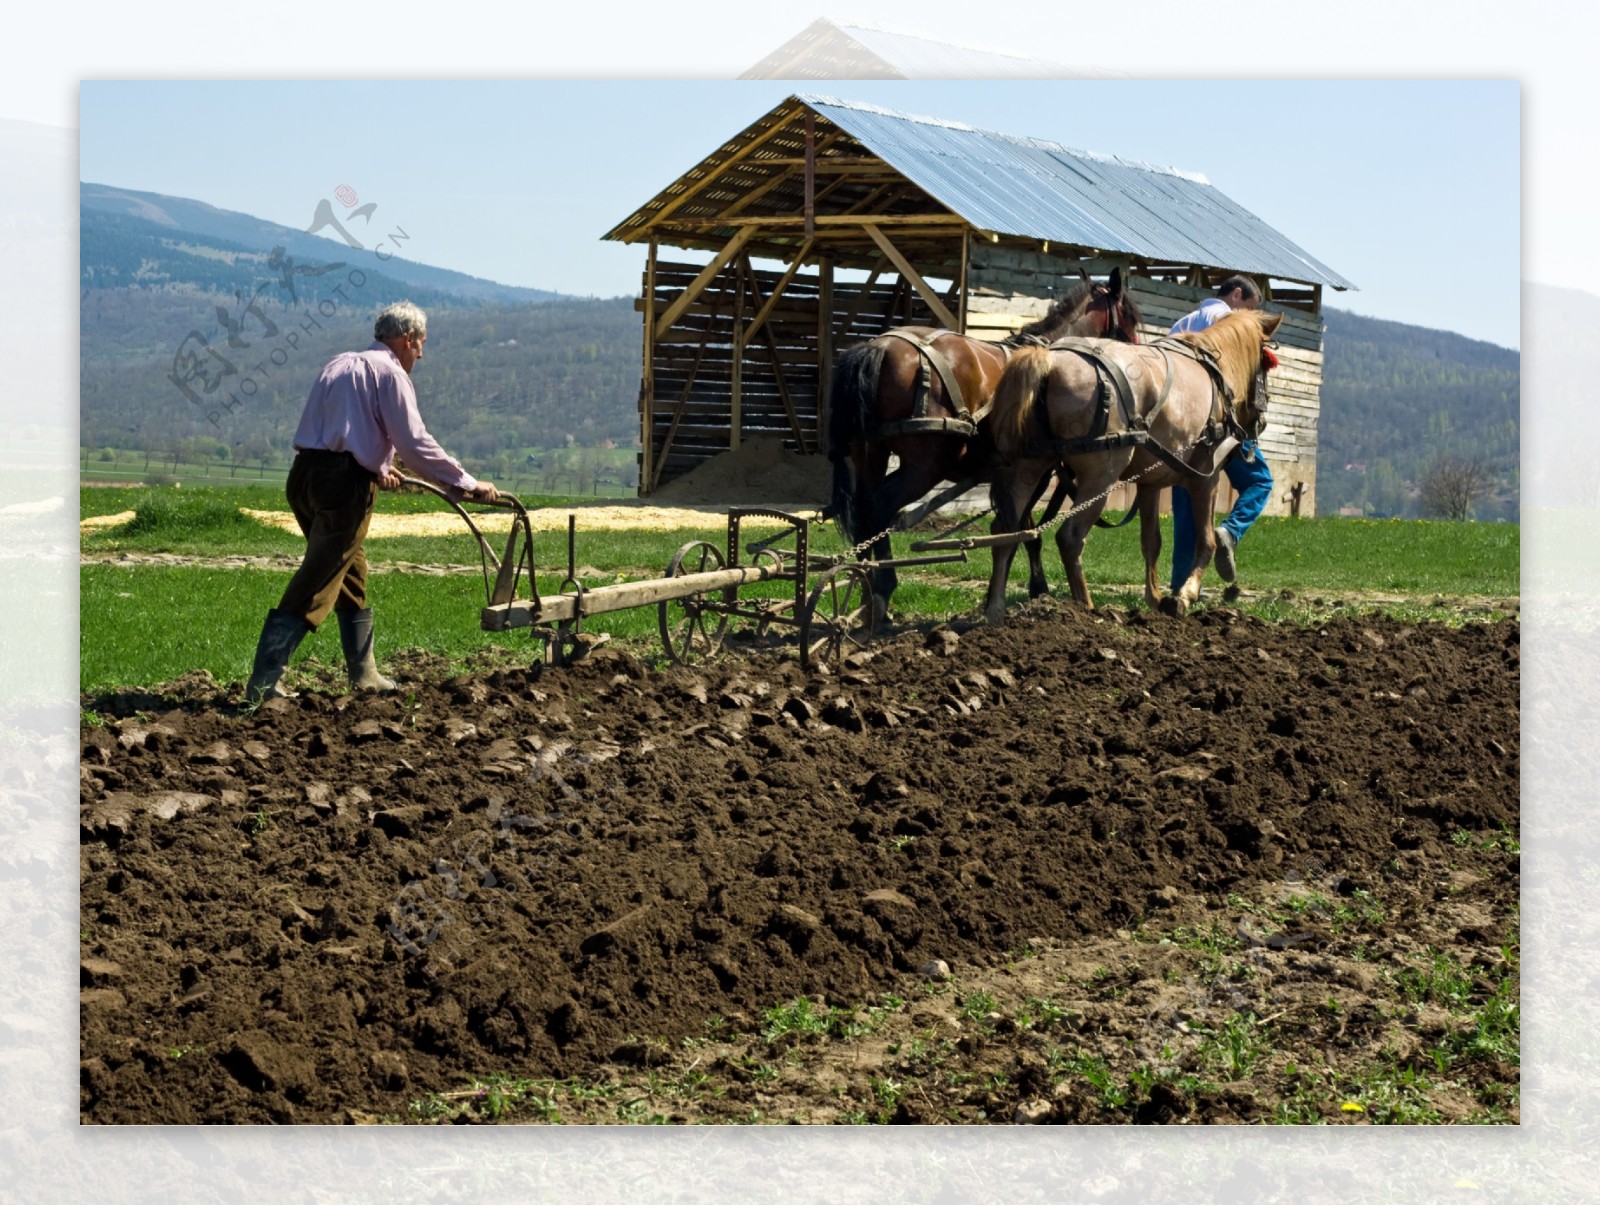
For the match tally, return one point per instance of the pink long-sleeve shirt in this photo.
(364, 404)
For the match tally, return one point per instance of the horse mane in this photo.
(1066, 312)
(1235, 340)
(1063, 312)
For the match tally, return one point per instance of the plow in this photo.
(828, 606)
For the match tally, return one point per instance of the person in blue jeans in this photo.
(1246, 469)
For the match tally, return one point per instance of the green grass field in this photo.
(126, 466)
(143, 625)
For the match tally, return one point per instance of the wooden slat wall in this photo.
(704, 429)
(1009, 288)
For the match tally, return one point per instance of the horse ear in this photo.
(1270, 324)
(1116, 281)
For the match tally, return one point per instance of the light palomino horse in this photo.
(915, 392)
(1165, 413)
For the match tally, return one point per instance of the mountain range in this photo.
(137, 239)
(173, 291)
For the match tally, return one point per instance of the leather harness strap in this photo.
(921, 422)
(1113, 382)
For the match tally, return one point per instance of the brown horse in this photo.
(891, 395)
(1165, 413)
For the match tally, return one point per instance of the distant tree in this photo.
(1451, 484)
(1385, 492)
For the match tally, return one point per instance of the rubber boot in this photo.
(1224, 554)
(280, 637)
(355, 634)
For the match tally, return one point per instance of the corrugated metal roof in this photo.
(1043, 190)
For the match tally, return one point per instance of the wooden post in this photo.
(824, 346)
(736, 380)
(961, 296)
(647, 384)
(811, 174)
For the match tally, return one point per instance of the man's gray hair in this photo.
(399, 320)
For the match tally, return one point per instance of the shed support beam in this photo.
(934, 301)
(737, 157)
(811, 174)
(647, 384)
(772, 346)
(683, 397)
(966, 267)
(707, 274)
(736, 383)
(824, 346)
(766, 309)
(861, 300)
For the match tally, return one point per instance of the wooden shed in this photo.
(875, 219)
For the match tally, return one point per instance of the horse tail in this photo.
(1014, 399)
(851, 399)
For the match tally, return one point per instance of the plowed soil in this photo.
(339, 905)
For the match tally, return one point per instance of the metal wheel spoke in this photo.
(688, 634)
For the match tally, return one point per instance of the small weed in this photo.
(91, 719)
(976, 1006)
(1311, 904)
(1235, 1047)
(1040, 1013)
(1443, 981)
(1505, 841)
(888, 1092)
(259, 822)
(1093, 1069)
(637, 1111)
(800, 1016)
(1392, 1095)
(483, 1100)
(1363, 909)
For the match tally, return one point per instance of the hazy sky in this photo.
(1409, 189)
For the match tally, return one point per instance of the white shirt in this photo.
(1210, 310)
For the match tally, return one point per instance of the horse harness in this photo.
(921, 422)
(1113, 383)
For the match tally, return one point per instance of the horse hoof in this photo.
(1037, 592)
(994, 619)
(1172, 606)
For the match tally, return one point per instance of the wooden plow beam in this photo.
(553, 609)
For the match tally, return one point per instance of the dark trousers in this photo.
(331, 495)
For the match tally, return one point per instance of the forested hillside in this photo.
(495, 378)
(205, 341)
(1395, 397)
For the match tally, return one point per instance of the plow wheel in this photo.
(840, 618)
(692, 627)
